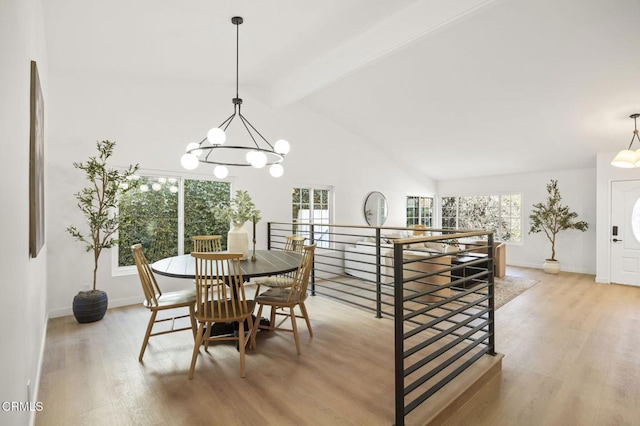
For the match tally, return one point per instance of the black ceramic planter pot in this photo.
(90, 306)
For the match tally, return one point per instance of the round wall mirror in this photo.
(375, 209)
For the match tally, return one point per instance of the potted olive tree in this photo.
(97, 202)
(551, 217)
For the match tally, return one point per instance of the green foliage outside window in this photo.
(449, 212)
(200, 198)
(150, 216)
(511, 214)
(499, 213)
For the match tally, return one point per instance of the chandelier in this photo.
(627, 158)
(212, 149)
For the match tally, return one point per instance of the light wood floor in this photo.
(571, 346)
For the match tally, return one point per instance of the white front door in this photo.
(624, 233)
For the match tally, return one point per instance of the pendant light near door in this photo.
(628, 158)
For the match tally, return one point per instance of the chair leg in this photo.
(294, 326)
(241, 348)
(192, 318)
(196, 349)
(305, 314)
(152, 320)
(206, 339)
(256, 326)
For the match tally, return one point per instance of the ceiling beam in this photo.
(414, 22)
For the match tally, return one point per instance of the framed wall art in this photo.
(36, 165)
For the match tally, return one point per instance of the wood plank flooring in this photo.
(571, 346)
(571, 351)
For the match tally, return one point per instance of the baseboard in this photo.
(36, 385)
(526, 265)
(562, 268)
(113, 303)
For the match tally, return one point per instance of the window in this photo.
(163, 213)
(635, 220)
(499, 213)
(511, 218)
(311, 205)
(200, 197)
(420, 211)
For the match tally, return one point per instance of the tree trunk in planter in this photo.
(90, 306)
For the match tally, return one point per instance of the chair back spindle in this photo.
(300, 282)
(207, 243)
(294, 243)
(220, 292)
(150, 286)
(220, 297)
(156, 301)
(287, 299)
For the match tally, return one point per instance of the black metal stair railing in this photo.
(442, 302)
(437, 338)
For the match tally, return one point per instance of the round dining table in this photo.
(268, 262)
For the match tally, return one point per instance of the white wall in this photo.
(153, 120)
(24, 283)
(574, 249)
(605, 176)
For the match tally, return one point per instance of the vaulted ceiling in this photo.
(454, 89)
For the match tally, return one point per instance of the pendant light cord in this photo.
(237, 57)
(635, 130)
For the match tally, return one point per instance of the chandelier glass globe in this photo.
(259, 159)
(189, 161)
(276, 170)
(282, 147)
(194, 145)
(249, 156)
(220, 172)
(216, 136)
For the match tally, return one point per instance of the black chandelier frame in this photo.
(206, 150)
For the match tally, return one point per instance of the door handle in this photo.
(615, 240)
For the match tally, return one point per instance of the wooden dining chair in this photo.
(293, 244)
(288, 299)
(215, 273)
(155, 300)
(207, 243)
